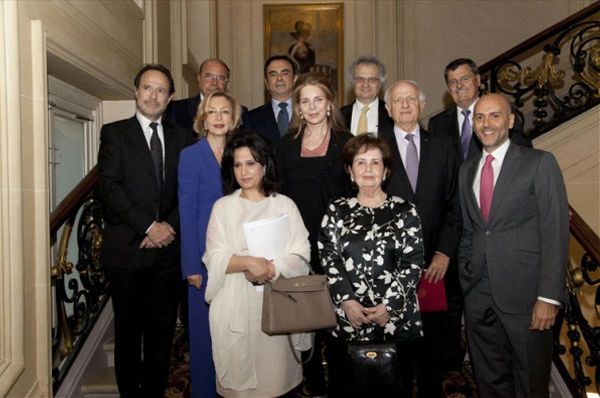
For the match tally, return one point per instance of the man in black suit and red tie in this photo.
(272, 119)
(463, 80)
(512, 256)
(137, 165)
(367, 113)
(425, 173)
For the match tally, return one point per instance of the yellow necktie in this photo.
(363, 127)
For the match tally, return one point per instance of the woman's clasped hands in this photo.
(259, 270)
(358, 315)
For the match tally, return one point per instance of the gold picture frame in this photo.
(312, 34)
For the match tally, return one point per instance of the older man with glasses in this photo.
(212, 76)
(367, 113)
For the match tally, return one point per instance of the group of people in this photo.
(373, 200)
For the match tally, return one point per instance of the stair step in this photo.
(103, 384)
(109, 349)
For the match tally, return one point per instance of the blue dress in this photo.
(199, 188)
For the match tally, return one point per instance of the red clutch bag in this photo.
(432, 296)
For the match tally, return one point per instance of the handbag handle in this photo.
(312, 349)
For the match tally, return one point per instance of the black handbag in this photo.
(374, 366)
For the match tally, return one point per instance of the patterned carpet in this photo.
(456, 384)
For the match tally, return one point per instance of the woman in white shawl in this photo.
(248, 362)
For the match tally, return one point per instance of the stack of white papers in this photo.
(267, 238)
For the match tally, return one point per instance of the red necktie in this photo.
(486, 188)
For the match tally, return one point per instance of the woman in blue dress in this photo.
(199, 187)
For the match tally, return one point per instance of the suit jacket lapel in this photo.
(455, 135)
(140, 145)
(470, 199)
(170, 152)
(193, 106)
(384, 120)
(408, 194)
(510, 167)
(272, 122)
(423, 158)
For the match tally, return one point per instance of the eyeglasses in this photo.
(362, 79)
(463, 80)
(210, 76)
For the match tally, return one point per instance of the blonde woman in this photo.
(199, 187)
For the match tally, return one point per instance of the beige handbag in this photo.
(296, 305)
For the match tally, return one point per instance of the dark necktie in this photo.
(283, 118)
(412, 161)
(486, 188)
(157, 154)
(466, 132)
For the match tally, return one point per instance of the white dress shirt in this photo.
(145, 123)
(372, 116)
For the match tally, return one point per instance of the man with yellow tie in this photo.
(367, 113)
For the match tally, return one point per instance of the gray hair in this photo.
(368, 60)
(420, 92)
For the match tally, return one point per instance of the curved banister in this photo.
(586, 237)
(73, 201)
(80, 287)
(541, 37)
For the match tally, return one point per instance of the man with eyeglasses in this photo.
(424, 172)
(272, 119)
(212, 76)
(367, 113)
(463, 81)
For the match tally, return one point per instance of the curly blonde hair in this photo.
(202, 114)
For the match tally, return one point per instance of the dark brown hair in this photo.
(361, 144)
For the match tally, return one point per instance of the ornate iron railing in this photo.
(575, 362)
(553, 76)
(80, 290)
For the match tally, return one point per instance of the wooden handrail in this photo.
(540, 37)
(73, 201)
(586, 237)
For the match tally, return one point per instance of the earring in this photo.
(328, 113)
(301, 116)
(352, 178)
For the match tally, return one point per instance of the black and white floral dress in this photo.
(374, 256)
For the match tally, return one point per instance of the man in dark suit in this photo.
(212, 76)
(367, 113)
(463, 81)
(512, 256)
(425, 173)
(272, 119)
(137, 164)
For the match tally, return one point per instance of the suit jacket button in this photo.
(488, 232)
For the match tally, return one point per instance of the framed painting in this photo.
(312, 34)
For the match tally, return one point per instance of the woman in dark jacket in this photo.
(312, 173)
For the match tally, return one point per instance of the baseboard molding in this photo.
(71, 385)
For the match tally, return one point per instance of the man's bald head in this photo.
(492, 119)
